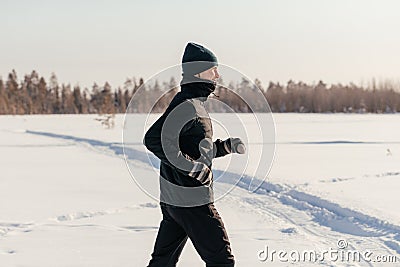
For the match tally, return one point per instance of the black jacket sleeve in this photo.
(221, 148)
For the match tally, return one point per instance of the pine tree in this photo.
(3, 99)
(95, 100)
(67, 100)
(107, 106)
(54, 95)
(86, 101)
(12, 92)
(78, 101)
(120, 99)
(43, 105)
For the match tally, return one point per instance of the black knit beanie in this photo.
(196, 59)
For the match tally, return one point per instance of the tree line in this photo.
(34, 95)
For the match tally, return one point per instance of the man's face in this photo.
(210, 74)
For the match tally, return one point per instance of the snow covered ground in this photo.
(67, 198)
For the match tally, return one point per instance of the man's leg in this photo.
(207, 232)
(171, 239)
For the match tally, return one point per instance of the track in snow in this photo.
(363, 229)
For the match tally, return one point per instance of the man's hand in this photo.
(234, 145)
(201, 172)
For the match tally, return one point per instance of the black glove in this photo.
(234, 145)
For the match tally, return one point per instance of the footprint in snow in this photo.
(290, 230)
(140, 228)
(9, 251)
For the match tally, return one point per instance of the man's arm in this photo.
(162, 140)
(228, 146)
(221, 148)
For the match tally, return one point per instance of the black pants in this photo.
(202, 225)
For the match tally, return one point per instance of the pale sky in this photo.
(273, 40)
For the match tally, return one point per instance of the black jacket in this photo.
(182, 139)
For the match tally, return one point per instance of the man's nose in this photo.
(216, 74)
